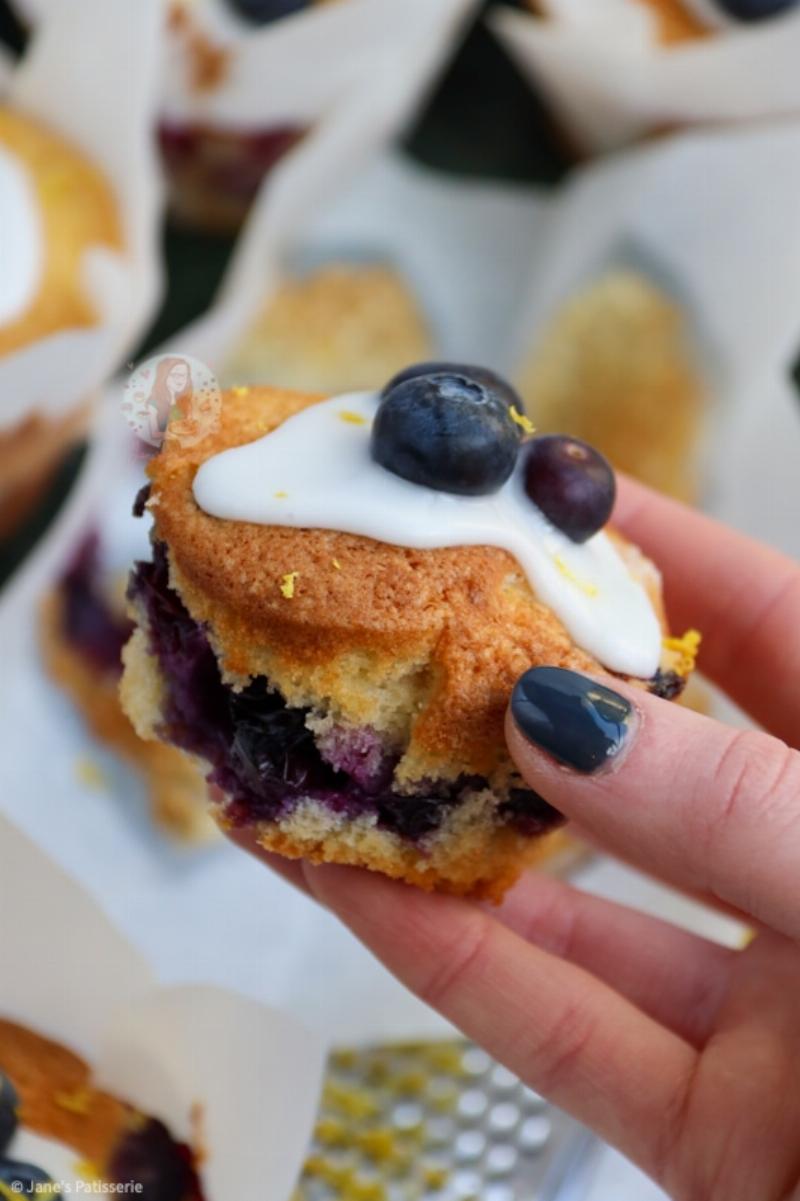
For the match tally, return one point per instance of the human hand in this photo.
(683, 1054)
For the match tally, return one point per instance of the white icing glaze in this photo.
(315, 471)
(21, 249)
(59, 1161)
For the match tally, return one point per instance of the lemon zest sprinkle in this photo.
(241, 391)
(525, 423)
(287, 584)
(90, 774)
(87, 1169)
(351, 418)
(335, 563)
(687, 648)
(281, 495)
(78, 1102)
(569, 574)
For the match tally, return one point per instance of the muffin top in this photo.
(56, 206)
(423, 645)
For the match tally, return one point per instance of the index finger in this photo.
(744, 597)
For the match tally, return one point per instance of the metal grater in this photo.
(439, 1122)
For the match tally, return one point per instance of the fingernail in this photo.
(579, 722)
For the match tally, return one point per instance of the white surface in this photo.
(316, 471)
(22, 250)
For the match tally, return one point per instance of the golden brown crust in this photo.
(175, 783)
(30, 454)
(57, 1098)
(423, 645)
(78, 211)
(343, 328)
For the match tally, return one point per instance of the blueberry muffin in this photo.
(615, 366)
(83, 628)
(341, 596)
(215, 166)
(341, 328)
(55, 207)
(58, 1127)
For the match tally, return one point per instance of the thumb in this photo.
(706, 807)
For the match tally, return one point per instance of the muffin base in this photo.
(174, 781)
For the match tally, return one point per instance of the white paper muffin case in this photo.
(69, 975)
(290, 77)
(610, 81)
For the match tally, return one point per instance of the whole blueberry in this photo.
(482, 375)
(755, 10)
(22, 1178)
(261, 12)
(571, 482)
(9, 1105)
(447, 432)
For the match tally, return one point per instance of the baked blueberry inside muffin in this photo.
(336, 633)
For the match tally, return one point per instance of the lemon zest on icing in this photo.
(525, 423)
(687, 648)
(287, 584)
(569, 574)
(281, 495)
(351, 418)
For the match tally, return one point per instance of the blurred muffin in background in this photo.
(614, 366)
(83, 628)
(55, 206)
(343, 328)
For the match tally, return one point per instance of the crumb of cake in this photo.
(90, 774)
(209, 63)
(336, 564)
(240, 390)
(687, 648)
(525, 423)
(288, 584)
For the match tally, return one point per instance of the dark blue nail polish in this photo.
(579, 722)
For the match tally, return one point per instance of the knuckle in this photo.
(755, 781)
(450, 975)
(559, 1053)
